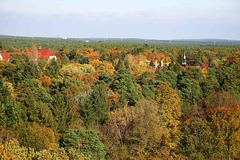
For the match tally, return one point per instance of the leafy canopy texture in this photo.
(126, 85)
(85, 142)
(170, 113)
(8, 106)
(96, 107)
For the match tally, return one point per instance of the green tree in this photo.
(52, 69)
(62, 109)
(120, 65)
(65, 59)
(196, 135)
(222, 77)
(169, 77)
(148, 91)
(190, 91)
(37, 137)
(42, 63)
(103, 57)
(209, 84)
(72, 54)
(35, 103)
(85, 142)
(126, 86)
(96, 108)
(1, 45)
(84, 60)
(177, 67)
(8, 106)
(23, 68)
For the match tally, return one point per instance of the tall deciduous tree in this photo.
(196, 135)
(38, 137)
(170, 112)
(223, 115)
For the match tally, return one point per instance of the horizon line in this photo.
(107, 38)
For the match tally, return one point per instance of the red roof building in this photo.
(6, 55)
(47, 54)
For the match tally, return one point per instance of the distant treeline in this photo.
(57, 43)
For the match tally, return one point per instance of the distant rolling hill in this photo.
(207, 40)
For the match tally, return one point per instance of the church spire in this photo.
(184, 61)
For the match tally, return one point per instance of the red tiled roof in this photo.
(6, 55)
(1, 51)
(45, 53)
(201, 67)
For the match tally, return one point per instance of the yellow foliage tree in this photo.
(103, 66)
(38, 137)
(95, 63)
(107, 67)
(76, 68)
(12, 150)
(45, 81)
(139, 129)
(170, 112)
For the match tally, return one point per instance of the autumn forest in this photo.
(120, 100)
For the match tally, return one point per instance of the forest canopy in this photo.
(120, 100)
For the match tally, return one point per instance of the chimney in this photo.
(39, 47)
(156, 64)
(161, 65)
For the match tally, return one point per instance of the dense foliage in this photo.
(104, 100)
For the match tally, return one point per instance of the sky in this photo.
(146, 19)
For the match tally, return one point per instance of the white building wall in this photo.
(52, 58)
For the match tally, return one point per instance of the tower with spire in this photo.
(184, 61)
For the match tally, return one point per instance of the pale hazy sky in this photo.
(151, 19)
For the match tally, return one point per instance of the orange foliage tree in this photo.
(223, 115)
(94, 56)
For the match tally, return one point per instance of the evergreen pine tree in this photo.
(96, 108)
(8, 107)
(84, 142)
